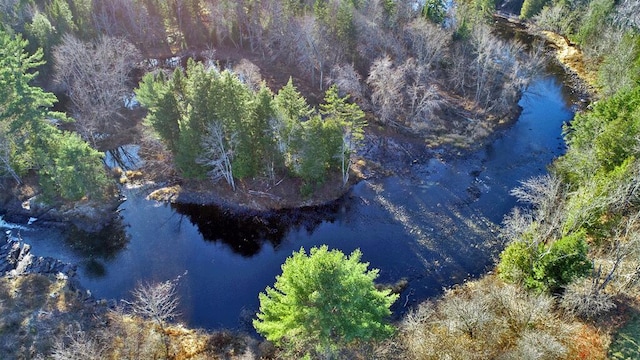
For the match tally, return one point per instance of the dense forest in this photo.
(316, 78)
(399, 62)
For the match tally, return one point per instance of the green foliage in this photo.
(61, 17)
(592, 205)
(620, 69)
(66, 166)
(68, 177)
(160, 97)
(292, 105)
(292, 109)
(261, 133)
(469, 13)
(41, 33)
(594, 20)
(82, 13)
(321, 145)
(434, 10)
(232, 108)
(545, 267)
(262, 115)
(601, 139)
(531, 8)
(349, 118)
(324, 299)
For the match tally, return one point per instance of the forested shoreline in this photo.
(566, 283)
(445, 83)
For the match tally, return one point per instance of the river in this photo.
(434, 226)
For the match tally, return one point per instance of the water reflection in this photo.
(246, 233)
(97, 249)
(125, 157)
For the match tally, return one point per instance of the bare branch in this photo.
(156, 301)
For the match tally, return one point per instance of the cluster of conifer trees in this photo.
(214, 123)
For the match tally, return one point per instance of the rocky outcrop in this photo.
(16, 259)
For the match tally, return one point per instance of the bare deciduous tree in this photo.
(373, 38)
(387, 84)
(428, 42)
(348, 81)
(218, 153)
(159, 303)
(403, 95)
(132, 20)
(491, 71)
(95, 77)
(487, 319)
(315, 51)
(77, 345)
(249, 73)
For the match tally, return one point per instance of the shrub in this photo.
(487, 319)
(545, 267)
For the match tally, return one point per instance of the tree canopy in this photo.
(66, 166)
(215, 124)
(324, 298)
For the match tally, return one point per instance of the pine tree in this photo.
(350, 120)
(160, 97)
(324, 299)
(262, 117)
(67, 167)
(292, 109)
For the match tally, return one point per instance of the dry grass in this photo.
(572, 57)
(34, 309)
(488, 319)
(588, 343)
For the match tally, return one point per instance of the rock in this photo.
(16, 259)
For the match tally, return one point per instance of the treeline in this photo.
(215, 124)
(400, 60)
(427, 69)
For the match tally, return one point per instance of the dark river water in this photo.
(434, 226)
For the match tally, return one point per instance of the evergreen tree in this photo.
(324, 299)
(67, 167)
(434, 10)
(160, 97)
(292, 109)
(232, 108)
(545, 267)
(321, 146)
(262, 118)
(349, 118)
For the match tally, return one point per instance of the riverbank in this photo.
(44, 310)
(40, 299)
(572, 58)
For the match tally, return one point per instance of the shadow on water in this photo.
(246, 233)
